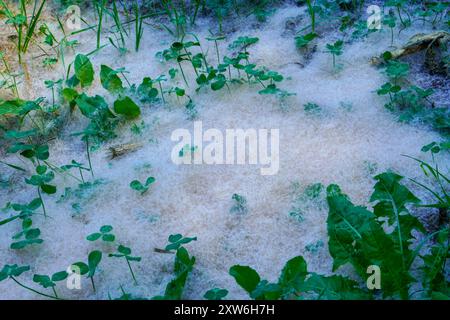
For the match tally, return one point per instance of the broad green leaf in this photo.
(146, 89)
(110, 80)
(49, 189)
(11, 107)
(246, 277)
(356, 237)
(69, 94)
(183, 266)
(126, 107)
(392, 198)
(84, 71)
(90, 105)
(334, 288)
(43, 280)
(293, 275)
(60, 276)
(94, 259)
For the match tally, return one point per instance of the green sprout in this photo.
(125, 252)
(142, 188)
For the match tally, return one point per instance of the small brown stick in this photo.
(162, 251)
(121, 149)
(417, 43)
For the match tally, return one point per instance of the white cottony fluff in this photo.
(352, 130)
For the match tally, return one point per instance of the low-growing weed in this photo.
(215, 294)
(13, 272)
(182, 267)
(50, 281)
(41, 181)
(336, 49)
(312, 108)
(240, 204)
(90, 268)
(125, 252)
(142, 188)
(76, 165)
(104, 234)
(23, 23)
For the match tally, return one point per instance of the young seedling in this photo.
(146, 91)
(177, 240)
(9, 78)
(105, 234)
(51, 85)
(432, 170)
(304, 41)
(396, 70)
(215, 294)
(182, 267)
(312, 108)
(90, 268)
(28, 235)
(25, 210)
(159, 80)
(142, 188)
(216, 39)
(390, 89)
(240, 204)
(13, 271)
(399, 5)
(41, 182)
(21, 21)
(125, 252)
(76, 165)
(289, 283)
(335, 50)
(49, 282)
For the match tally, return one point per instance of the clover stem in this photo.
(54, 291)
(162, 93)
(182, 73)
(32, 290)
(89, 156)
(81, 175)
(42, 201)
(217, 51)
(131, 270)
(93, 284)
